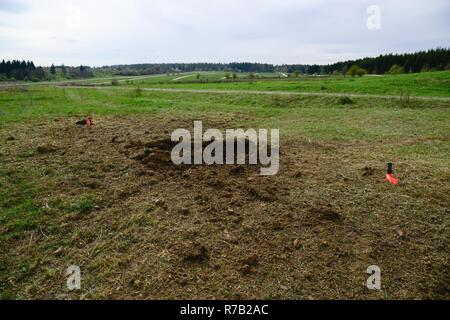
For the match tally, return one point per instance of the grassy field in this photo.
(92, 197)
(421, 84)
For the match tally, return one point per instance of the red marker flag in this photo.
(390, 174)
(391, 179)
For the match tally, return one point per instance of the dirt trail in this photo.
(68, 82)
(183, 77)
(312, 94)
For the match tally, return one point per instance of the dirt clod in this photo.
(184, 211)
(368, 171)
(246, 270)
(195, 252)
(237, 170)
(229, 237)
(47, 148)
(327, 213)
(277, 225)
(261, 193)
(250, 260)
(400, 233)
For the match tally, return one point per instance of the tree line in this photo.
(16, 70)
(20, 70)
(431, 60)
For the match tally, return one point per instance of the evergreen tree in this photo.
(53, 70)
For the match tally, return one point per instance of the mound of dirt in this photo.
(157, 155)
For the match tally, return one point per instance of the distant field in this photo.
(199, 77)
(435, 84)
(420, 84)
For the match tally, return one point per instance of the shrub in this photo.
(115, 82)
(345, 100)
(336, 73)
(396, 69)
(356, 71)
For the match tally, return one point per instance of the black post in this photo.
(390, 168)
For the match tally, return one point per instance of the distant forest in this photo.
(27, 71)
(431, 60)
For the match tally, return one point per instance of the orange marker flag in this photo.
(391, 179)
(390, 174)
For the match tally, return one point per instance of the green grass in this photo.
(312, 117)
(204, 76)
(419, 84)
(19, 210)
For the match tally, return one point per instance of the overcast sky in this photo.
(105, 32)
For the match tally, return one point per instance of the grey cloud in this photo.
(12, 6)
(274, 31)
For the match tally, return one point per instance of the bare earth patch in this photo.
(111, 202)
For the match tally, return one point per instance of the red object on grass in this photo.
(391, 179)
(89, 122)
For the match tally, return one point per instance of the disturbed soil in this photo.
(155, 230)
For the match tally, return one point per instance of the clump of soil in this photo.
(47, 148)
(251, 260)
(238, 170)
(248, 265)
(327, 214)
(368, 171)
(262, 193)
(192, 252)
